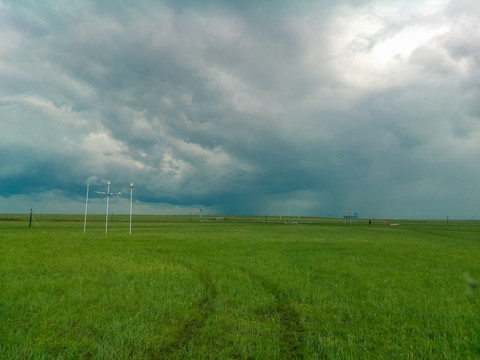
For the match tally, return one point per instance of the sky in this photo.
(308, 108)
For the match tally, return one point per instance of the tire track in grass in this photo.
(291, 339)
(206, 305)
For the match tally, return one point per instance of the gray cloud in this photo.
(244, 107)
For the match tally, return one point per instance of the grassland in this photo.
(238, 288)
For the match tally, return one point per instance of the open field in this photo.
(238, 288)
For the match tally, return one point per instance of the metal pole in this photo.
(108, 197)
(131, 201)
(86, 207)
(31, 214)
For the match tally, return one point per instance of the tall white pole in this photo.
(108, 197)
(86, 207)
(131, 200)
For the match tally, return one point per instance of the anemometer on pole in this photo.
(107, 195)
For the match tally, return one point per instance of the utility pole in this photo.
(86, 208)
(108, 198)
(131, 206)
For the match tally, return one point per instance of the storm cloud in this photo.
(317, 108)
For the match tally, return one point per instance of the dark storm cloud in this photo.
(244, 107)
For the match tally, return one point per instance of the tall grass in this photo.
(238, 290)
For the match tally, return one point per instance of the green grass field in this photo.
(237, 289)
